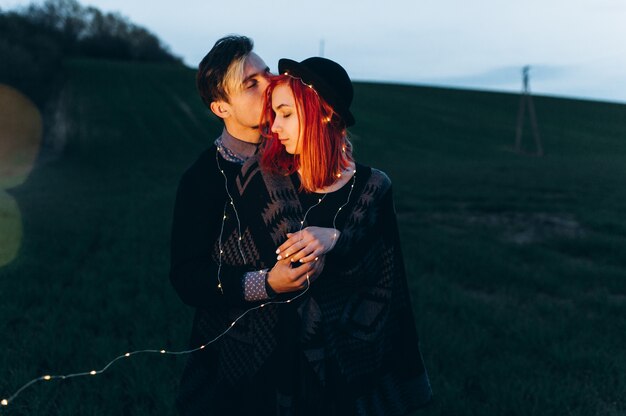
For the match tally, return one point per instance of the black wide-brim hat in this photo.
(328, 78)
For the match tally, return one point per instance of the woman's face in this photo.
(286, 124)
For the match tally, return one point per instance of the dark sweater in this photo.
(352, 333)
(197, 219)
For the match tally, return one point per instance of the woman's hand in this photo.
(308, 244)
(283, 278)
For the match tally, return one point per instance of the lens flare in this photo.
(20, 139)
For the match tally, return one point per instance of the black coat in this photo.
(347, 346)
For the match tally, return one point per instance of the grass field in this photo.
(517, 264)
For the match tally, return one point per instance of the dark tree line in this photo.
(35, 39)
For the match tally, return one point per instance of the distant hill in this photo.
(516, 264)
(34, 40)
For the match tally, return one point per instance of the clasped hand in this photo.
(307, 247)
(285, 278)
(307, 244)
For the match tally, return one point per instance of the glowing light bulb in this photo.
(162, 351)
(202, 347)
(47, 378)
(127, 354)
(319, 200)
(93, 372)
(288, 300)
(4, 402)
(224, 216)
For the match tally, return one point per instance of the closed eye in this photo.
(282, 113)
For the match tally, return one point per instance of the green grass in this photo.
(517, 264)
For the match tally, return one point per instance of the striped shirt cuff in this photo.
(254, 285)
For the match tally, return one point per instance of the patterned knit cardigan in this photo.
(357, 313)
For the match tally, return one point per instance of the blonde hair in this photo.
(233, 79)
(213, 67)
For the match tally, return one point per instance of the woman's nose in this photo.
(275, 127)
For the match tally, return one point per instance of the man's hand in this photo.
(283, 278)
(306, 245)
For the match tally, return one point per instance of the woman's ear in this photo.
(220, 109)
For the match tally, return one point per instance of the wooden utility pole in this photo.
(527, 101)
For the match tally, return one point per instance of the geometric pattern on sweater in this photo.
(363, 314)
(311, 335)
(231, 254)
(357, 313)
(364, 215)
(235, 360)
(248, 171)
(246, 346)
(282, 212)
(254, 332)
(361, 318)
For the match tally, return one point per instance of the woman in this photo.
(346, 343)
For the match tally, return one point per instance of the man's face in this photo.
(246, 104)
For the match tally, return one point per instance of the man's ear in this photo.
(220, 109)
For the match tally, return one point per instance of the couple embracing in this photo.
(289, 251)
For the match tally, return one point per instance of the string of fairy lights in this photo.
(230, 201)
(5, 402)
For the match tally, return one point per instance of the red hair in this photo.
(326, 150)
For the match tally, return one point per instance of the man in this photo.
(211, 250)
